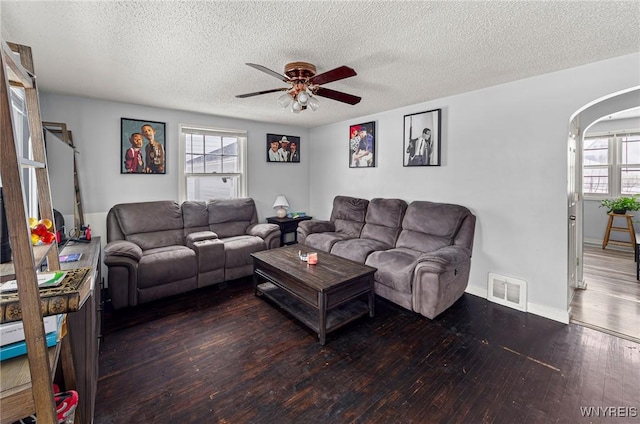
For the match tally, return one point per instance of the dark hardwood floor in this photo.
(222, 355)
(611, 301)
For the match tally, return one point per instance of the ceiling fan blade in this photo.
(333, 75)
(269, 71)
(338, 95)
(257, 93)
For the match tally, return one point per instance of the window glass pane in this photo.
(19, 111)
(230, 145)
(230, 164)
(596, 151)
(210, 187)
(630, 181)
(595, 181)
(188, 167)
(212, 144)
(196, 146)
(213, 163)
(631, 150)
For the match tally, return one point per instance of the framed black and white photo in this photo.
(142, 147)
(362, 145)
(422, 138)
(283, 148)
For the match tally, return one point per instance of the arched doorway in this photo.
(579, 124)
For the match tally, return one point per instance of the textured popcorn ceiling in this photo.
(191, 55)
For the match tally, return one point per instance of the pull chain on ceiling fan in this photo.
(304, 85)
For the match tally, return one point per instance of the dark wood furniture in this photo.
(324, 297)
(287, 226)
(85, 329)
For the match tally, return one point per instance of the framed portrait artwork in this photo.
(283, 148)
(362, 145)
(422, 138)
(143, 147)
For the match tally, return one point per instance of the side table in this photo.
(628, 229)
(287, 225)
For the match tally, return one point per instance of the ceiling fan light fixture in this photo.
(304, 84)
(303, 98)
(285, 100)
(313, 103)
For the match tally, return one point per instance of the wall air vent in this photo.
(508, 291)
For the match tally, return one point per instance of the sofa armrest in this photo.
(122, 258)
(305, 228)
(201, 236)
(122, 249)
(209, 251)
(270, 233)
(262, 230)
(440, 278)
(442, 259)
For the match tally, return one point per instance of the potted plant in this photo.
(620, 205)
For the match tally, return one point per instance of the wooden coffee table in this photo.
(324, 296)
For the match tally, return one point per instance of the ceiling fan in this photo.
(304, 84)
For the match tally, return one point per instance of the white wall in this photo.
(95, 125)
(504, 155)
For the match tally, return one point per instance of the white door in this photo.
(574, 176)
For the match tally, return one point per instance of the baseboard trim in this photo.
(477, 291)
(533, 308)
(550, 313)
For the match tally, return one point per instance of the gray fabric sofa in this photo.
(422, 251)
(158, 249)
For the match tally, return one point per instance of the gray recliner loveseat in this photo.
(422, 250)
(158, 249)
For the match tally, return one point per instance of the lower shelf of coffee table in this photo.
(336, 317)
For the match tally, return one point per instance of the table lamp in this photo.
(281, 205)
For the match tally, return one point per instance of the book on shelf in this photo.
(52, 336)
(20, 348)
(68, 296)
(45, 280)
(12, 332)
(73, 257)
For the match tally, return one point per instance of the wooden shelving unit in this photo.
(37, 393)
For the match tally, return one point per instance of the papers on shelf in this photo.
(45, 280)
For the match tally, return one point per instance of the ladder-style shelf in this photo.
(17, 72)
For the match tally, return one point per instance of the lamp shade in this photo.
(281, 205)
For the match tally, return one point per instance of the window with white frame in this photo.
(24, 147)
(213, 163)
(611, 165)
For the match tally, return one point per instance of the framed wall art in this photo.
(422, 138)
(142, 147)
(362, 145)
(283, 148)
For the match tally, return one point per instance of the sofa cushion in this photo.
(429, 226)
(348, 215)
(165, 265)
(357, 249)
(231, 217)
(395, 268)
(384, 220)
(150, 224)
(324, 241)
(237, 250)
(195, 216)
